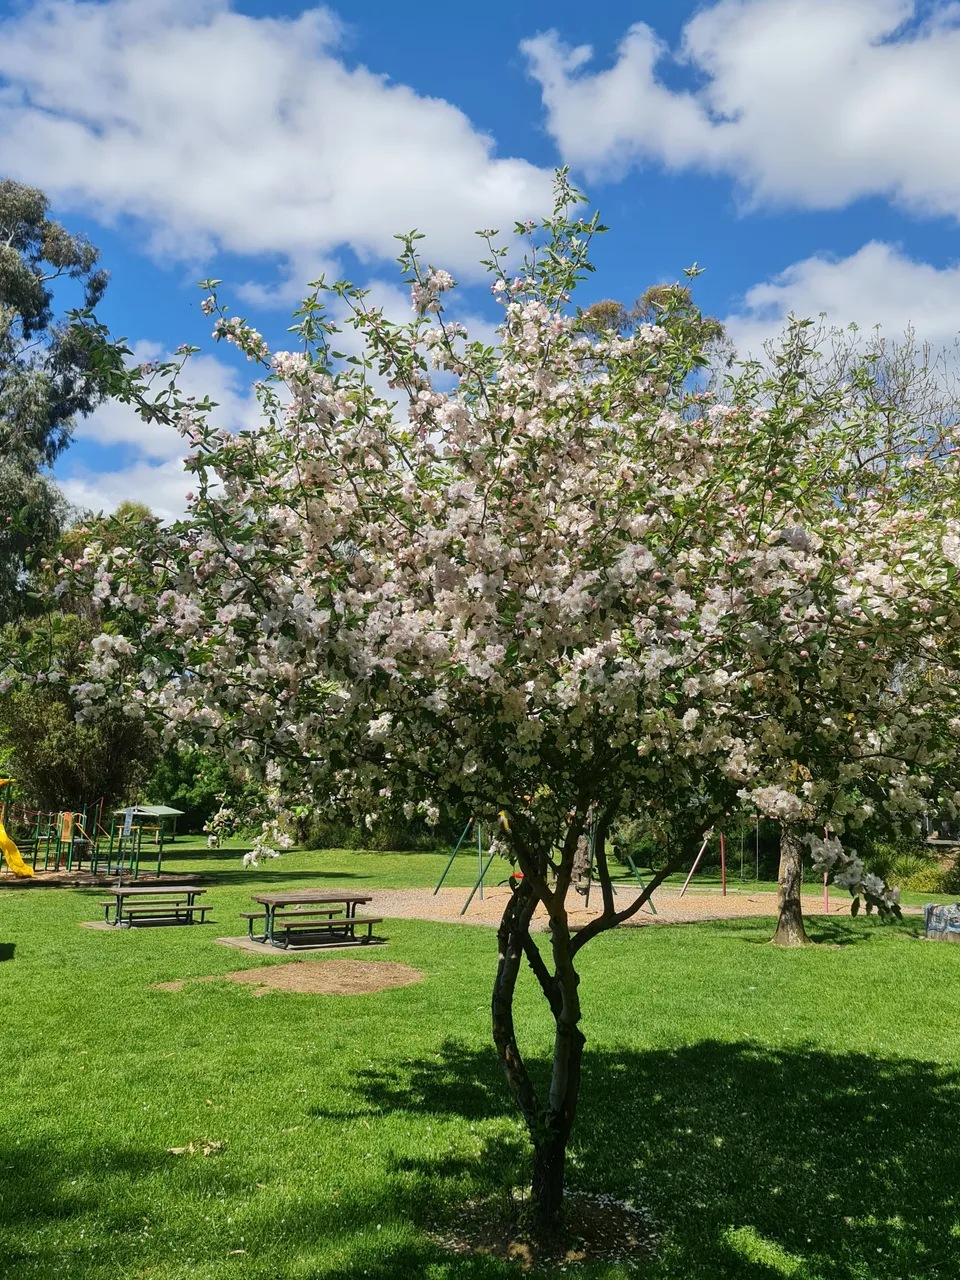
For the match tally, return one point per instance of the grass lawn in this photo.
(779, 1113)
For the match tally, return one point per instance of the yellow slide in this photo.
(11, 854)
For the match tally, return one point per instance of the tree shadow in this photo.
(140, 1227)
(7, 951)
(262, 877)
(831, 931)
(756, 1162)
(42, 1187)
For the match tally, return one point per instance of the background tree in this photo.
(664, 303)
(902, 460)
(46, 379)
(191, 780)
(58, 763)
(563, 591)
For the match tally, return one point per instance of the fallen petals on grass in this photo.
(202, 1147)
(598, 1229)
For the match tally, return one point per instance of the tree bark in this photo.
(549, 1166)
(549, 1123)
(790, 931)
(511, 937)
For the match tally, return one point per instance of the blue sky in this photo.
(803, 151)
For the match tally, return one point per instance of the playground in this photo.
(81, 846)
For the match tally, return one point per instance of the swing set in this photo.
(483, 867)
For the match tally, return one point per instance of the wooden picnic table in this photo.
(309, 911)
(173, 902)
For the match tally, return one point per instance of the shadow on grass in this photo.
(7, 951)
(260, 878)
(832, 931)
(757, 1163)
(111, 1209)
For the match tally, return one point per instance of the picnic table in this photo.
(170, 904)
(306, 912)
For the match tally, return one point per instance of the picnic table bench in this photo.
(311, 912)
(170, 904)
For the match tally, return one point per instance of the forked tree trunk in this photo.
(790, 931)
(549, 1123)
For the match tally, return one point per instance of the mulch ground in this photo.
(315, 977)
(597, 1229)
(87, 880)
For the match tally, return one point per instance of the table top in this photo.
(309, 895)
(124, 891)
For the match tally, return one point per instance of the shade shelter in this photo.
(158, 819)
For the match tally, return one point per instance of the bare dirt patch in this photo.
(318, 978)
(596, 1229)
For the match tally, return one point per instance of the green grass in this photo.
(340, 866)
(780, 1113)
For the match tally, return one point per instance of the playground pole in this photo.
(723, 864)
(480, 857)
(463, 836)
(593, 851)
(483, 872)
(633, 868)
(159, 846)
(696, 863)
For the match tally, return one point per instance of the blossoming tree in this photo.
(548, 582)
(858, 673)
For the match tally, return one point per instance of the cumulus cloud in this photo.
(218, 129)
(812, 103)
(162, 486)
(154, 473)
(877, 285)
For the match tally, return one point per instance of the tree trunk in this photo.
(549, 1125)
(549, 1164)
(790, 931)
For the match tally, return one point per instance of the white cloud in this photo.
(218, 129)
(812, 103)
(162, 487)
(155, 475)
(877, 285)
